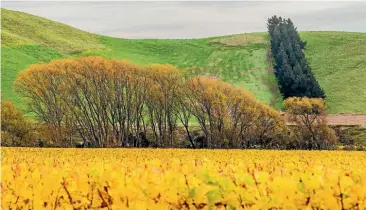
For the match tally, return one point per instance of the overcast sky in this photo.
(195, 19)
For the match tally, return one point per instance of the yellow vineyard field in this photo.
(181, 179)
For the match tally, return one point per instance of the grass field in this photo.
(238, 59)
(338, 60)
(181, 179)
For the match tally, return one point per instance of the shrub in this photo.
(15, 129)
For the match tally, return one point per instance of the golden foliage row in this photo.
(107, 101)
(182, 179)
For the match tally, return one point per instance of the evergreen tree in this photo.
(315, 89)
(293, 73)
(299, 87)
(298, 52)
(272, 23)
(275, 40)
(286, 78)
(292, 58)
(292, 32)
(279, 59)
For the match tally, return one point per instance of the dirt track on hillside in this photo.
(344, 119)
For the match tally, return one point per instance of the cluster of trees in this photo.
(107, 102)
(294, 75)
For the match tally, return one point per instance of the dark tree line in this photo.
(293, 73)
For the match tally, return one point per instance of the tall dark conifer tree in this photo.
(292, 71)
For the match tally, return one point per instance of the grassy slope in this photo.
(28, 39)
(241, 63)
(238, 59)
(338, 60)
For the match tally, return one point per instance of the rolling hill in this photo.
(239, 59)
(338, 59)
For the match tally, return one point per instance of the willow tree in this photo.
(43, 87)
(164, 83)
(231, 117)
(98, 98)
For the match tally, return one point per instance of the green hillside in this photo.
(238, 59)
(338, 60)
(27, 39)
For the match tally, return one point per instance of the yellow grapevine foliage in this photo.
(181, 179)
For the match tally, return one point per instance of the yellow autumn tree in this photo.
(310, 129)
(43, 87)
(164, 83)
(232, 117)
